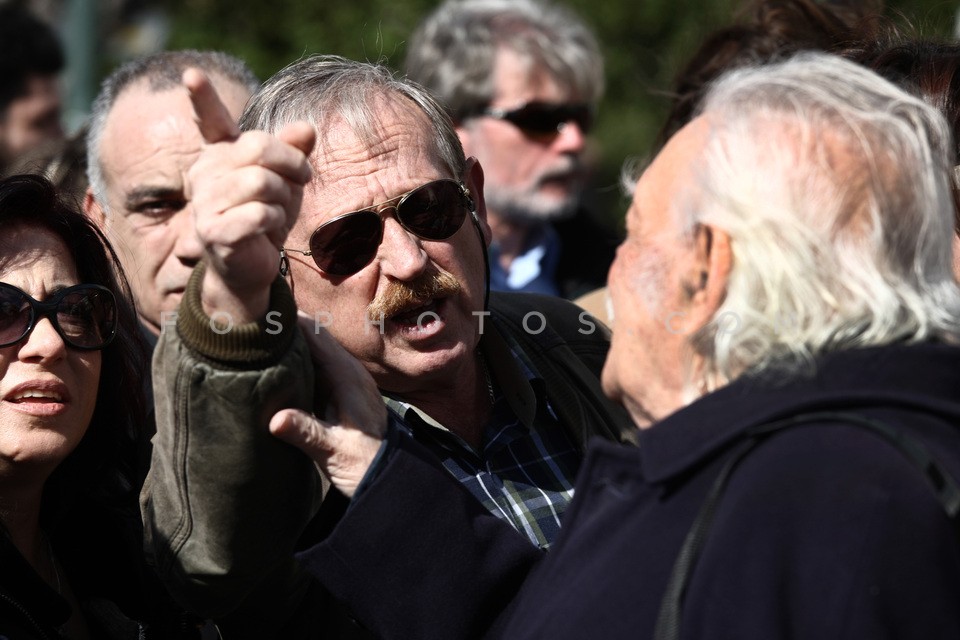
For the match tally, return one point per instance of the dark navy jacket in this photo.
(824, 531)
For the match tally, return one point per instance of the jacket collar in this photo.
(20, 583)
(925, 376)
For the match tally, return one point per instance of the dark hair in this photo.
(28, 46)
(772, 30)
(104, 461)
(925, 67)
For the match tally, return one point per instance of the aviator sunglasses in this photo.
(85, 315)
(544, 118)
(347, 243)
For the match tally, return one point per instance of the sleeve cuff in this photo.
(387, 447)
(250, 345)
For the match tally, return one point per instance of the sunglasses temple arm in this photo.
(486, 260)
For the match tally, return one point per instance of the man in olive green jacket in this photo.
(505, 392)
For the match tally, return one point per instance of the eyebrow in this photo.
(49, 293)
(151, 193)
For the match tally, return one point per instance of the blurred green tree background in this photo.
(644, 41)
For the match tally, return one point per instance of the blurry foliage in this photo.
(644, 41)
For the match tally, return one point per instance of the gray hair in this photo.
(453, 51)
(834, 187)
(321, 88)
(163, 72)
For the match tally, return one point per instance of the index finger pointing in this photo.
(212, 117)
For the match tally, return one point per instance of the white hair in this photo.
(834, 188)
(322, 88)
(453, 51)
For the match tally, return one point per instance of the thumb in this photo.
(301, 135)
(301, 430)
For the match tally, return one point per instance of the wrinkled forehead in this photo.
(141, 116)
(386, 132)
(356, 167)
(673, 172)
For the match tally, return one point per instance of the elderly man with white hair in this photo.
(785, 338)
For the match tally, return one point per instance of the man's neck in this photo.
(462, 407)
(511, 238)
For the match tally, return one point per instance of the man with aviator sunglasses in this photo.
(380, 233)
(348, 242)
(522, 80)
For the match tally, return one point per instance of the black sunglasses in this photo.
(347, 243)
(544, 118)
(85, 315)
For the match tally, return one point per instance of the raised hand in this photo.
(245, 189)
(346, 439)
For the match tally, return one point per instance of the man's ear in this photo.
(93, 209)
(473, 178)
(705, 282)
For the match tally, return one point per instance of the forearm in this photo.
(225, 501)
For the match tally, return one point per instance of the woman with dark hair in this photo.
(71, 405)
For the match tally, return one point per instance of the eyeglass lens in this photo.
(346, 244)
(544, 118)
(84, 315)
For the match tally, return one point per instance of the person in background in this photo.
(775, 29)
(71, 354)
(788, 343)
(31, 59)
(141, 143)
(766, 31)
(63, 162)
(927, 68)
(522, 80)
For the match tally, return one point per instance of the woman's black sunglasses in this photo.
(85, 315)
(347, 243)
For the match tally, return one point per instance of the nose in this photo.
(570, 138)
(187, 247)
(43, 343)
(619, 256)
(401, 256)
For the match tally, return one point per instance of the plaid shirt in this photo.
(525, 472)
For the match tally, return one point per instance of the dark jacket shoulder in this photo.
(568, 348)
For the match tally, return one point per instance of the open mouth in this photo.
(420, 315)
(36, 396)
(39, 400)
(420, 321)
